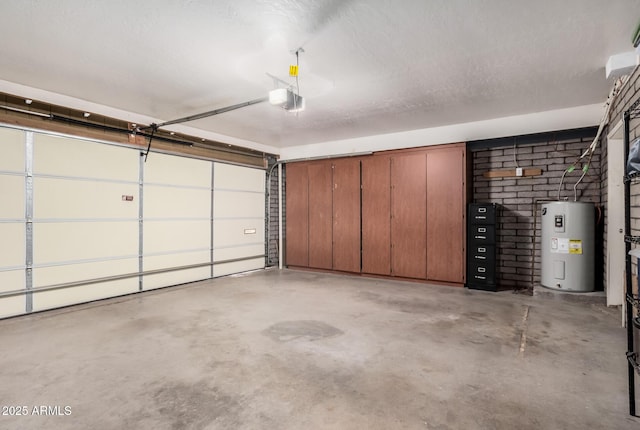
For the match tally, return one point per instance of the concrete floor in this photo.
(301, 350)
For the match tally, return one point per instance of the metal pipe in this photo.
(28, 215)
(209, 113)
(28, 112)
(629, 290)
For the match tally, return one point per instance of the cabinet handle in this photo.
(482, 229)
(482, 249)
(481, 270)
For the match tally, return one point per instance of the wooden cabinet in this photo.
(376, 215)
(346, 215)
(398, 213)
(408, 216)
(297, 214)
(320, 215)
(446, 225)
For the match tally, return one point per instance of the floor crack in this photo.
(523, 331)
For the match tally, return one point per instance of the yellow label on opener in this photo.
(575, 246)
(293, 70)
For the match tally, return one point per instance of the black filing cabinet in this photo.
(481, 247)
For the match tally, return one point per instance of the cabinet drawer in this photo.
(482, 254)
(479, 273)
(482, 234)
(482, 213)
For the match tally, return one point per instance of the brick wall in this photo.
(272, 214)
(519, 199)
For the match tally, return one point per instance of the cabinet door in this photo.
(320, 215)
(376, 215)
(445, 215)
(346, 215)
(297, 215)
(409, 216)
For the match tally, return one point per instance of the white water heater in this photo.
(568, 246)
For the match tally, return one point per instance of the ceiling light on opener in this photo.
(286, 99)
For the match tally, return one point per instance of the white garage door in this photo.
(83, 229)
(177, 219)
(239, 219)
(12, 221)
(83, 220)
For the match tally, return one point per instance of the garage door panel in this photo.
(160, 280)
(65, 241)
(227, 176)
(63, 198)
(12, 143)
(237, 232)
(172, 202)
(12, 245)
(237, 267)
(53, 275)
(12, 192)
(170, 236)
(152, 282)
(12, 281)
(11, 306)
(154, 262)
(86, 293)
(173, 170)
(65, 156)
(233, 204)
(237, 252)
(46, 276)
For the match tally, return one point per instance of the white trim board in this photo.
(615, 258)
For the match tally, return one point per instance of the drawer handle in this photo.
(481, 270)
(482, 230)
(480, 277)
(482, 210)
(482, 249)
(480, 257)
(481, 237)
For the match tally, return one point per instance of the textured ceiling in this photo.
(369, 66)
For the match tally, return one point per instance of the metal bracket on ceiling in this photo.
(279, 83)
